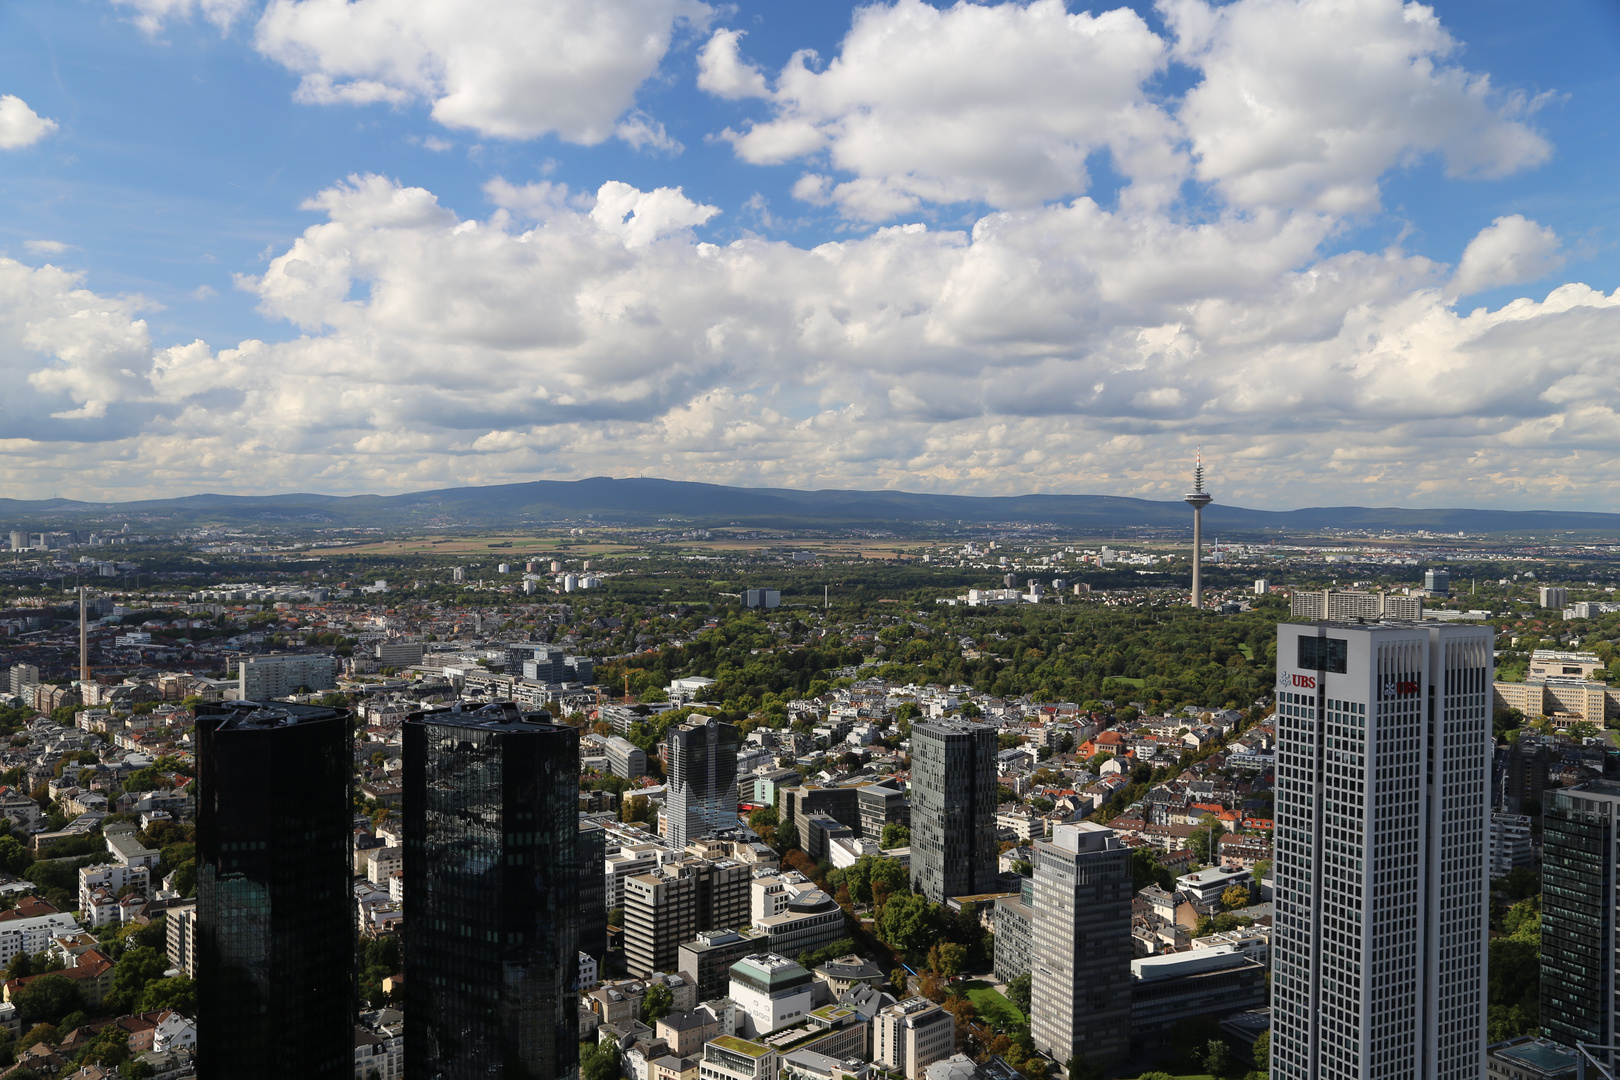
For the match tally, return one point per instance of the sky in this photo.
(1358, 251)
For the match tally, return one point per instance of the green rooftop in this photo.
(741, 1046)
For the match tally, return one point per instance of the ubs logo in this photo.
(1304, 682)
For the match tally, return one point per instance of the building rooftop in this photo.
(496, 716)
(741, 1046)
(1542, 1055)
(258, 716)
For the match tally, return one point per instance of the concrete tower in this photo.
(1198, 498)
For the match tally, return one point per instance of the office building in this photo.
(592, 889)
(1015, 932)
(1565, 700)
(1559, 663)
(810, 920)
(274, 922)
(911, 1035)
(399, 653)
(1553, 596)
(265, 678)
(762, 598)
(880, 805)
(799, 803)
(702, 779)
(1578, 898)
(1382, 869)
(625, 758)
(772, 991)
(1080, 960)
(1343, 606)
(180, 938)
(492, 869)
(1511, 848)
(1437, 582)
(708, 958)
(953, 809)
(1214, 981)
(670, 906)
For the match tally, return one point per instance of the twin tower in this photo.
(493, 877)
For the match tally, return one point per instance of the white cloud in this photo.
(643, 132)
(1306, 103)
(46, 247)
(1299, 105)
(1055, 348)
(19, 125)
(151, 15)
(512, 69)
(1509, 251)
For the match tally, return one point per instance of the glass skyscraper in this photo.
(493, 884)
(953, 809)
(1381, 871)
(1578, 913)
(702, 779)
(275, 916)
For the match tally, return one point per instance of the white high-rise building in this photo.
(1382, 867)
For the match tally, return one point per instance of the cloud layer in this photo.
(1059, 340)
(19, 125)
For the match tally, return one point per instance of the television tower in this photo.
(84, 644)
(1198, 498)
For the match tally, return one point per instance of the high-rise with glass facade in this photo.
(953, 809)
(1381, 871)
(1080, 962)
(492, 871)
(702, 779)
(1578, 913)
(275, 915)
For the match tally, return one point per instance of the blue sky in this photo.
(1110, 258)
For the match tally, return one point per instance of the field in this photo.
(983, 995)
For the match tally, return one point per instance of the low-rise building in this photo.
(772, 991)
(1530, 1058)
(811, 920)
(99, 887)
(1166, 990)
(709, 956)
(911, 1035)
(732, 1058)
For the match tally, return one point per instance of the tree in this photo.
(177, 993)
(41, 1033)
(764, 821)
(1235, 896)
(136, 968)
(1018, 992)
(21, 966)
(894, 835)
(1147, 870)
(1216, 1057)
(1205, 839)
(947, 958)
(1261, 1052)
(1261, 869)
(638, 808)
(909, 923)
(656, 1003)
(47, 999)
(598, 1061)
(1079, 1068)
(897, 979)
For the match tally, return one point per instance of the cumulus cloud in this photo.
(1306, 103)
(1299, 105)
(1509, 251)
(505, 68)
(19, 125)
(1060, 348)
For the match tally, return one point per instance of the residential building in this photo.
(493, 873)
(702, 758)
(670, 906)
(625, 861)
(1337, 605)
(1080, 960)
(687, 1031)
(1381, 873)
(22, 677)
(32, 934)
(953, 806)
(180, 928)
(625, 758)
(911, 1035)
(1015, 932)
(1510, 844)
(1553, 596)
(274, 935)
(846, 972)
(99, 887)
(1207, 886)
(265, 678)
(772, 991)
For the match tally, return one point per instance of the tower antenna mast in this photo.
(1198, 498)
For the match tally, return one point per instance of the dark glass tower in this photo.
(275, 925)
(492, 885)
(592, 889)
(702, 779)
(953, 809)
(1578, 913)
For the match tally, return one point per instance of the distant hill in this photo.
(643, 501)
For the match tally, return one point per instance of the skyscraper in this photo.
(953, 808)
(702, 779)
(1578, 897)
(1080, 965)
(492, 872)
(1198, 498)
(275, 919)
(1382, 886)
